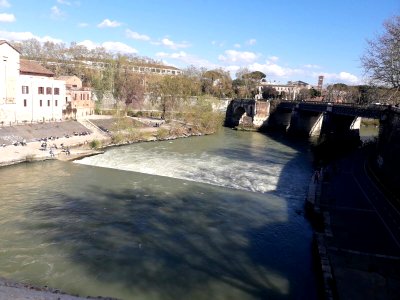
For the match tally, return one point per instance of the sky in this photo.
(287, 40)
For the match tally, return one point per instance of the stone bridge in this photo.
(301, 118)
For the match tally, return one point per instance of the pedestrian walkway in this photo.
(360, 233)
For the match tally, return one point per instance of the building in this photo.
(28, 91)
(287, 91)
(141, 67)
(78, 99)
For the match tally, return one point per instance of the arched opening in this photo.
(238, 113)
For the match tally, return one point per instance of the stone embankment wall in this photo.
(387, 161)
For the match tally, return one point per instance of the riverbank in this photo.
(20, 291)
(73, 140)
(356, 236)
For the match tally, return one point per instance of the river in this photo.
(213, 217)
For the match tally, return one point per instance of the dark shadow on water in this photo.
(194, 243)
(170, 245)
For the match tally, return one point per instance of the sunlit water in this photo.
(215, 217)
(368, 133)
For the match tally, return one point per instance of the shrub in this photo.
(161, 133)
(95, 144)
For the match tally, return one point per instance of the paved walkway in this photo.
(362, 232)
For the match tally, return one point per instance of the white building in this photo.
(28, 91)
(288, 91)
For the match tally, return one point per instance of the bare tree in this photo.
(381, 60)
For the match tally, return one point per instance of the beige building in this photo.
(79, 102)
(287, 91)
(28, 91)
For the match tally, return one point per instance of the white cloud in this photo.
(233, 56)
(273, 58)
(272, 69)
(109, 46)
(109, 23)
(22, 36)
(251, 42)
(4, 3)
(64, 2)
(216, 43)
(233, 69)
(178, 55)
(83, 24)
(118, 47)
(311, 66)
(348, 77)
(187, 59)
(89, 44)
(236, 45)
(9, 18)
(136, 36)
(171, 44)
(56, 13)
(342, 77)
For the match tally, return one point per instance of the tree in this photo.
(246, 82)
(315, 93)
(269, 92)
(381, 60)
(129, 87)
(255, 75)
(217, 83)
(304, 94)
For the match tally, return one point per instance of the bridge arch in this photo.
(237, 115)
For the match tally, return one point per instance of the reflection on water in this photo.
(103, 231)
(368, 133)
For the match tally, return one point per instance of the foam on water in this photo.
(203, 167)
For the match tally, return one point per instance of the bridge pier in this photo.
(341, 127)
(306, 123)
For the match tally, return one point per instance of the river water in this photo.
(214, 217)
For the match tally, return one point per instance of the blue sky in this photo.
(287, 40)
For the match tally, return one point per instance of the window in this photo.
(48, 90)
(56, 91)
(41, 103)
(40, 90)
(74, 85)
(25, 89)
(66, 99)
(48, 102)
(56, 102)
(24, 102)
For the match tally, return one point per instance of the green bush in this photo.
(95, 144)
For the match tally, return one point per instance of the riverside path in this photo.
(363, 222)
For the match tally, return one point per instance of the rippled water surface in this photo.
(215, 217)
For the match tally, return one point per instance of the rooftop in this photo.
(29, 67)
